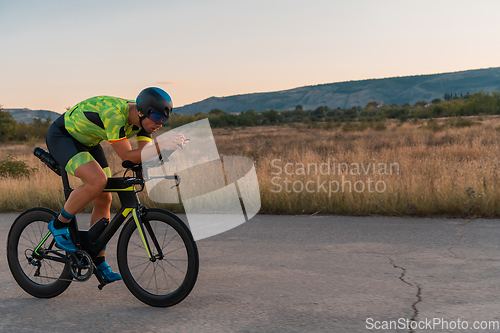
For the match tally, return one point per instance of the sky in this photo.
(56, 53)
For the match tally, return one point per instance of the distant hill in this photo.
(27, 115)
(400, 90)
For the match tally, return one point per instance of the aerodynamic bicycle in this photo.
(156, 253)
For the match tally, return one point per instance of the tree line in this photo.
(452, 105)
(479, 103)
(10, 130)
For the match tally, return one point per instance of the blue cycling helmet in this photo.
(152, 100)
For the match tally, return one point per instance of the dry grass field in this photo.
(405, 169)
(452, 171)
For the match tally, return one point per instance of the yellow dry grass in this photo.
(453, 172)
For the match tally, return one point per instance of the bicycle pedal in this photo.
(104, 283)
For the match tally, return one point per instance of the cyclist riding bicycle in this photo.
(73, 140)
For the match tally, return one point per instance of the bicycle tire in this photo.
(180, 259)
(27, 231)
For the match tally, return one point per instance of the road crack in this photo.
(418, 295)
(461, 235)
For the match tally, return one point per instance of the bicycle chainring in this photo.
(82, 268)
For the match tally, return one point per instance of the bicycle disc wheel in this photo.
(39, 277)
(170, 276)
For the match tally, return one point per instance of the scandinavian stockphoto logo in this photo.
(217, 194)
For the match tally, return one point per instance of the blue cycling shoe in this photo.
(107, 273)
(62, 238)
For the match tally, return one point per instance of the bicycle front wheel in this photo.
(39, 277)
(169, 275)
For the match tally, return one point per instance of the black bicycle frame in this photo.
(127, 194)
(130, 204)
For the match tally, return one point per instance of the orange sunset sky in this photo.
(57, 53)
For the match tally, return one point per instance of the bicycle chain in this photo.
(53, 278)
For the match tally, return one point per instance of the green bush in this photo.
(380, 126)
(10, 167)
(460, 122)
(355, 126)
(434, 126)
(348, 127)
(329, 125)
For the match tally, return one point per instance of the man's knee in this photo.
(96, 183)
(92, 176)
(101, 180)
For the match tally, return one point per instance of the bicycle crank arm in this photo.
(99, 278)
(102, 282)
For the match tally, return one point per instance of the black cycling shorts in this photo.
(69, 152)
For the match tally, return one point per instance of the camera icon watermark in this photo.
(218, 193)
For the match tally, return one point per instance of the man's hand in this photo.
(173, 143)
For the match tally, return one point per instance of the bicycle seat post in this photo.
(65, 180)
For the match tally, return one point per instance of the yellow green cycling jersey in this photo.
(102, 118)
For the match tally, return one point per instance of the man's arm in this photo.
(126, 153)
(143, 144)
(148, 149)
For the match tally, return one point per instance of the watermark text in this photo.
(330, 177)
(431, 324)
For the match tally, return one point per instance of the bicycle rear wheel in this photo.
(170, 276)
(39, 277)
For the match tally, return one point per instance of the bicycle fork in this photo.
(142, 228)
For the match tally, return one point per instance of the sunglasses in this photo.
(157, 117)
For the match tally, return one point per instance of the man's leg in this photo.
(94, 180)
(102, 206)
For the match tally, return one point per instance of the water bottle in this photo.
(97, 228)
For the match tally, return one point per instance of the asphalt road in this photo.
(295, 274)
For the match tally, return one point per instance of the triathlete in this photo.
(73, 140)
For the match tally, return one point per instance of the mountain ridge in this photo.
(27, 115)
(346, 94)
